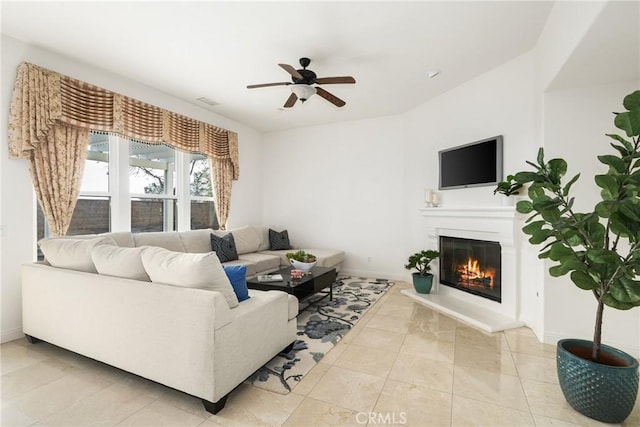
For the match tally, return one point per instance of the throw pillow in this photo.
(237, 275)
(74, 254)
(224, 247)
(279, 240)
(202, 271)
(119, 262)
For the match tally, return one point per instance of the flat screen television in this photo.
(471, 165)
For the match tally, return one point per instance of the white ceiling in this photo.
(214, 49)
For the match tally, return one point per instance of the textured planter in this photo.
(603, 391)
(422, 284)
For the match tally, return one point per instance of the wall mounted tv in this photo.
(471, 165)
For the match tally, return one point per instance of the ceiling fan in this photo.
(302, 87)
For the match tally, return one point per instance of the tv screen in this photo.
(471, 165)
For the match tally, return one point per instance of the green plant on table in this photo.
(301, 256)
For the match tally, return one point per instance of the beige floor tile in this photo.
(551, 422)
(312, 378)
(399, 299)
(184, 402)
(60, 393)
(546, 399)
(316, 413)
(423, 371)
(521, 342)
(348, 389)
(469, 412)
(251, 406)
(11, 415)
(161, 414)
(472, 336)
(434, 348)
(369, 360)
(333, 354)
(23, 380)
(536, 367)
(388, 323)
(14, 357)
(107, 407)
(498, 361)
(413, 405)
(378, 338)
(486, 386)
(434, 324)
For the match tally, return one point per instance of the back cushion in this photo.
(196, 241)
(247, 239)
(202, 271)
(120, 262)
(163, 239)
(74, 254)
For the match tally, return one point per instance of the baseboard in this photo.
(12, 335)
(552, 338)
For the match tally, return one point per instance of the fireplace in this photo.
(472, 266)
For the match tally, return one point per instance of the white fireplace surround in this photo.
(496, 224)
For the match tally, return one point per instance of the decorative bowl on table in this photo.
(304, 266)
(301, 260)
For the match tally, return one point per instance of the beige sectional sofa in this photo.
(199, 341)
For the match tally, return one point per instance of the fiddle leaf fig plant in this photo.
(509, 187)
(600, 250)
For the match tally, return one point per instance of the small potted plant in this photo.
(301, 260)
(508, 188)
(421, 262)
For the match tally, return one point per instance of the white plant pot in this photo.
(304, 266)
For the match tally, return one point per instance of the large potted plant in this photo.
(421, 262)
(600, 250)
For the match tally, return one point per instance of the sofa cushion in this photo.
(119, 262)
(325, 257)
(263, 262)
(247, 239)
(196, 241)
(73, 254)
(237, 275)
(252, 268)
(202, 271)
(162, 239)
(279, 240)
(124, 239)
(224, 247)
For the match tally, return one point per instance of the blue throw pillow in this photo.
(237, 275)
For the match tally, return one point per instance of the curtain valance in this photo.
(42, 98)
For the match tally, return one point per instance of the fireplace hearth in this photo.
(472, 266)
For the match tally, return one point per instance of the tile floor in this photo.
(402, 364)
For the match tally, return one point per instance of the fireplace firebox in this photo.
(472, 266)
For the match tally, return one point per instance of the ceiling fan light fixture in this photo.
(302, 91)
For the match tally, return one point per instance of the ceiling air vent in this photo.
(208, 101)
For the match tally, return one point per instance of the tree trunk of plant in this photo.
(597, 334)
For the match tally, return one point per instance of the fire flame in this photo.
(471, 274)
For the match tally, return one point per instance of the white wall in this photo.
(575, 126)
(17, 199)
(340, 185)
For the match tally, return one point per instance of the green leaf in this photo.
(630, 210)
(610, 301)
(540, 157)
(625, 290)
(559, 270)
(557, 169)
(560, 251)
(524, 206)
(540, 236)
(627, 145)
(583, 280)
(609, 186)
(533, 227)
(525, 177)
(632, 101)
(616, 163)
(567, 187)
(605, 208)
(628, 122)
(602, 256)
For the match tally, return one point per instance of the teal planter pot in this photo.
(605, 392)
(422, 284)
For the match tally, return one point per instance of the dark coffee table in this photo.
(310, 284)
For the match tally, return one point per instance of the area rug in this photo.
(320, 327)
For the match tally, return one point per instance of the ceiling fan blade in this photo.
(291, 100)
(333, 80)
(330, 97)
(268, 84)
(289, 69)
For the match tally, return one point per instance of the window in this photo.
(130, 185)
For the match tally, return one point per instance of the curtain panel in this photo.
(44, 100)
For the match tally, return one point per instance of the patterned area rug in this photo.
(320, 327)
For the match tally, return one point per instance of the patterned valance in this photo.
(42, 98)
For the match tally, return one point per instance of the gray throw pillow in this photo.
(279, 240)
(224, 247)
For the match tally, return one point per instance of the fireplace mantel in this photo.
(491, 223)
